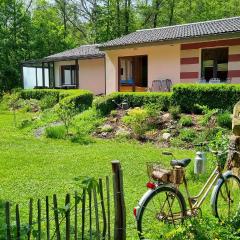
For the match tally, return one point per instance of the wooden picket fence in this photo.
(85, 215)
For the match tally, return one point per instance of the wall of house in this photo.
(91, 74)
(163, 62)
(191, 59)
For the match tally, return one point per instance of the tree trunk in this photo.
(156, 13)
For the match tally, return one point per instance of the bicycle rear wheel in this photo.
(227, 204)
(163, 211)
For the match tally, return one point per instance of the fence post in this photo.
(119, 203)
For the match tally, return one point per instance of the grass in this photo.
(35, 168)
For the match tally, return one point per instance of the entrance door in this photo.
(133, 72)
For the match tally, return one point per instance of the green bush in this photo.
(224, 120)
(82, 99)
(48, 101)
(136, 119)
(222, 96)
(187, 135)
(186, 121)
(57, 132)
(136, 99)
(175, 112)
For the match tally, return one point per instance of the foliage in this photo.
(31, 105)
(66, 112)
(57, 132)
(136, 119)
(186, 121)
(175, 112)
(208, 114)
(220, 144)
(83, 139)
(48, 101)
(82, 99)
(211, 95)
(187, 135)
(224, 120)
(87, 121)
(136, 99)
(14, 104)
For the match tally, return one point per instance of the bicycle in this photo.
(163, 206)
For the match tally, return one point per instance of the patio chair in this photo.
(202, 80)
(214, 80)
(161, 85)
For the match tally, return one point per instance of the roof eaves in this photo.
(174, 40)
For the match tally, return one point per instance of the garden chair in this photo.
(161, 85)
(214, 80)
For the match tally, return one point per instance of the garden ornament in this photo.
(200, 163)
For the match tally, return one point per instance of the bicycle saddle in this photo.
(181, 163)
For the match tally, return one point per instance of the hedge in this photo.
(81, 98)
(105, 104)
(222, 96)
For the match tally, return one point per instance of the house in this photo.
(82, 67)
(183, 53)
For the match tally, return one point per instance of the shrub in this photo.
(82, 139)
(186, 121)
(31, 105)
(82, 99)
(222, 96)
(224, 120)
(48, 101)
(57, 132)
(135, 99)
(136, 119)
(187, 135)
(175, 112)
(66, 112)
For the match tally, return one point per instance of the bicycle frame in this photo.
(195, 202)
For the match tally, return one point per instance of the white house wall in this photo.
(91, 74)
(163, 62)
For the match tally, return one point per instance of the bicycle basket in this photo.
(157, 172)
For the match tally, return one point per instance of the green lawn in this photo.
(35, 168)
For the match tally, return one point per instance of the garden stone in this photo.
(166, 136)
(166, 117)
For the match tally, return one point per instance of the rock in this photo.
(166, 117)
(106, 128)
(122, 133)
(166, 136)
(104, 134)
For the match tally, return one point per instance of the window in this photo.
(68, 75)
(215, 63)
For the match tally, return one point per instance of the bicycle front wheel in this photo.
(163, 211)
(227, 203)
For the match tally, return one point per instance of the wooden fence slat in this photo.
(47, 219)
(39, 218)
(96, 213)
(8, 217)
(90, 213)
(76, 216)
(119, 204)
(67, 216)
(103, 209)
(18, 223)
(30, 218)
(83, 212)
(108, 207)
(57, 228)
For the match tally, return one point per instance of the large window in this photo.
(68, 75)
(215, 64)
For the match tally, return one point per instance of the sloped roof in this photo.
(82, 52)
(177, 32)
